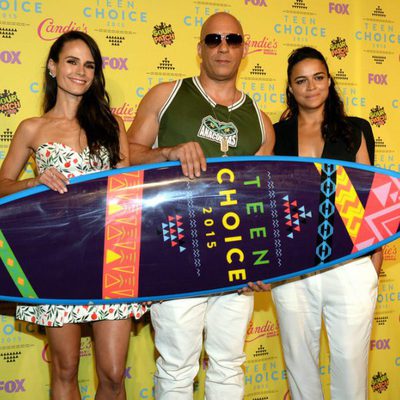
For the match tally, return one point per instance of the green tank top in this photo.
(190, 114)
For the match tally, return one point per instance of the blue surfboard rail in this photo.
(167, 164)
(199, 293)
(223, 160)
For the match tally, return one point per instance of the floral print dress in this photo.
(71, 163)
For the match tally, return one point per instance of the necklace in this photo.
(224, 128)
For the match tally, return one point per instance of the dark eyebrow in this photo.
(77, 59)
(317, 73)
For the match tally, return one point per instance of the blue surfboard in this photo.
(149, 233)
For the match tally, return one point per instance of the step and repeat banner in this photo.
(145, 42)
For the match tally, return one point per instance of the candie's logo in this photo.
(265, 45)
(254, 332)
(163, 34)
(49, 30)
(9, 103)
(339, 48)
(380, 382)
(378, 116)
(126, 112)
(390, 252)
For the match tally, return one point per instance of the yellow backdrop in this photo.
(145, 42)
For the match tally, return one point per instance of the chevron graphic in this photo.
(382, 212)
(367, 226)
(348, 203)
(122, 235)
(114, 232)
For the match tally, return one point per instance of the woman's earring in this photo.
(51, 74)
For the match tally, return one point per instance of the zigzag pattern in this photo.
(193, 229)
(348, 203)
(275, 220)
(122, 235)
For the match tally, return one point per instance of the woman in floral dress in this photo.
(77, 134)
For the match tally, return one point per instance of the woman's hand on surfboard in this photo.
(53, 179)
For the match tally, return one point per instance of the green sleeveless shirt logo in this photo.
(214, 130)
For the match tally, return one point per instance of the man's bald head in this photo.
(216, 23)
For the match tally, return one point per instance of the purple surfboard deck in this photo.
(149, 233)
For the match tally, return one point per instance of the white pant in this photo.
(179, 326)
(345, 296)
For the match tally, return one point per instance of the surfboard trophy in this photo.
(149, 233)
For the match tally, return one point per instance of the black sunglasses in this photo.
(215, 39)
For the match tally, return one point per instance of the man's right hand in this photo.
(191, 157)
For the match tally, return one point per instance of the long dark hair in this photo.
(94, 113)
(334, 125)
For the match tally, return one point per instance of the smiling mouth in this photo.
(78, 81)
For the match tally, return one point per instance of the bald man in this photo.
(182, 121)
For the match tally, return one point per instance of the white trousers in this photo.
(179, 326)
(345, 296)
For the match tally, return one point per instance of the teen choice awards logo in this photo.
(163, 34)
(9, 103)
(378, 116)
(380, 382)
(339, 48)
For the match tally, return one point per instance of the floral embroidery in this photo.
(68, 161)
(71, 163)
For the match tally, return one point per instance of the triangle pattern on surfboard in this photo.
(295, 215)
(173, 232)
